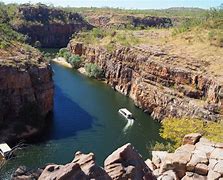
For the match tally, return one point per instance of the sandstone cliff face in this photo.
(52, 27)
(122, 21)
(149, 76)
(24, 87)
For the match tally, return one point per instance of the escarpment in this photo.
(150, 77)
(124, 21)
(26, 94)
(48, 27)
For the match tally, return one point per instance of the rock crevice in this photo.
(148, 75)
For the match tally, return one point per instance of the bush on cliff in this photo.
(175, 129)
(62, 52)
(8, 35)
(75, 61)
(93, 70)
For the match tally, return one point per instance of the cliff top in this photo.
(14, 52)
(193, 50)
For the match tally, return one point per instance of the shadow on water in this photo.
(72, 114)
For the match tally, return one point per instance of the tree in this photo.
(75, 61)
(93, 70)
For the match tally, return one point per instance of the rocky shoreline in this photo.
(154, 83)
(197, 159)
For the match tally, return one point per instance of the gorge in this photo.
(157, 74)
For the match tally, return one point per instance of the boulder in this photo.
(217, 154)
(158, 157)
(168, 175)
(82, 167)
(201, 169)
(150, 164)
(198, 156)
(22, 173)
(213, 175)
(192, 138)
(177, 162)
(219, 167)
(193, 176)
(126, 163)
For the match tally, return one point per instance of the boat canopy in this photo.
(4, 148)
(126, 111)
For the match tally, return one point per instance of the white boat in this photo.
(126, 113)
(4, 150)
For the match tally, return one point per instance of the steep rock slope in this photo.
(123, 21)
(26, 92)
(51, 27)
(150, 77)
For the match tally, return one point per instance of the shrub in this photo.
(158, 146)
(175, 129)
(75, 61)
(61, 52)
(93, 70)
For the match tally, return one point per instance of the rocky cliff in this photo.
(48, 27)
(155, 81)
(197, 159)
(127, 21)
(26, 93)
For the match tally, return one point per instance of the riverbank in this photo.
(161, 87)
(62, 61)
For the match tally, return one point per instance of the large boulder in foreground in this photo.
(123, 164)
(126, 163)
(82, 167)
(198, 158)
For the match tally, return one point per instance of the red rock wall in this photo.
(158, 88)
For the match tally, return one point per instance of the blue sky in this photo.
(128, 4)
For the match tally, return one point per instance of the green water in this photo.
(86, 118)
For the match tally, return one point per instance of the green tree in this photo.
(93, 70)
(75, 61)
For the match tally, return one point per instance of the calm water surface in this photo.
(86, 118)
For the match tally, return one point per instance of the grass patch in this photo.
(175, 129)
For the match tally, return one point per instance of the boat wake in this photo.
(128, 125)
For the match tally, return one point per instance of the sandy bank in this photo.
(62, 61)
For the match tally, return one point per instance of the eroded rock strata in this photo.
(154, 80)
(26, 94)
(51, 27)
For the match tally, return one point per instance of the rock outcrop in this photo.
(50, 27)
(124, 21)
(125, 163)
(200, 159)
(150, 76)
(26, 89)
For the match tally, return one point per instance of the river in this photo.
(86, 118)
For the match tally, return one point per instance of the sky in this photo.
(127, 4)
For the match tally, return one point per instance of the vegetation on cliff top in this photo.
(175, 129)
